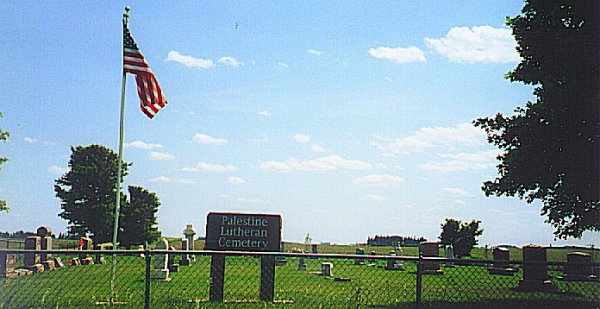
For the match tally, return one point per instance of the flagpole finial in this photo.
(126, 15)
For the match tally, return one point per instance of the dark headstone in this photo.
(32, 243)
(501, 264)
(534, 270)
(430, 249)
(579, 267)
(8, 265)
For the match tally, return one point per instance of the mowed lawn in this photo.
(355, 286)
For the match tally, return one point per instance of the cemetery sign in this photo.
(243, 232)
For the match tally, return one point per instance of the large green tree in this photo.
(551, 147)
(4, 135)
(462, 236)
(88, 191)
(138, 221)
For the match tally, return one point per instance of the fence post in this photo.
(267, 278)
(147, 291)
(217, 274)
(419, 280)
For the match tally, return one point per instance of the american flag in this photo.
(151, 97)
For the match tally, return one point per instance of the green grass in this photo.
(89, 286)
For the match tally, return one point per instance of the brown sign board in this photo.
(227, 231)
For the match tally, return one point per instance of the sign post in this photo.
(243, 232)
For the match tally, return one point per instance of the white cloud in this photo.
(142, 145)
(456, 192)
(30, 140)
(261, 140)
(329, 163)
(317, 148)
(161, 156)
(301, 138)
(190, 61)
(380, 180)
(208, 167)
(264, 113)
(205, 139)
(57, 170)
(430, 137)
(478, 44)
(374, 197)
(165, 179)
(314, 52)
(399, 54)
(235, 180)
(230, 61)
(283, 65)
(463, 162)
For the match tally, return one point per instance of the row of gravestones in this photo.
(578, 267)
(164, 264)
(35, 262)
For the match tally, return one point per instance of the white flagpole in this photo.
(118, 196)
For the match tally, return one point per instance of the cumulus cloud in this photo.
(282, 65)
(205, 139)
(264, 113)
(30, 140)
(161, 156)
(459, 162)
(301, 138)
(235, 180)
(398, 54)
(57, 170)
(230, 61)
(430, 137)
(329, 163)
(477, 44)
(378, 180)
(142, 145)
(456, 192)
(189, 61)
(208, 167)
(314, 52)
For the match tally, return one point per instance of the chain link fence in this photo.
(298, 280)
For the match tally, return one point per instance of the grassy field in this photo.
(368, 286)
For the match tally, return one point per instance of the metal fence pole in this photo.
(419, 280)
(147, 291)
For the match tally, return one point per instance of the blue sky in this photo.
(348, 118)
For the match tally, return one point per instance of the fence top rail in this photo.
(287, 254)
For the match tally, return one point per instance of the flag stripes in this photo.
(151, 96)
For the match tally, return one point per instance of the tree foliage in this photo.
(551, 147)
(462, 236)
(88, 191)
(138, 221)
(4, 135)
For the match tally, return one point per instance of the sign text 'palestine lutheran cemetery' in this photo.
(243, 232)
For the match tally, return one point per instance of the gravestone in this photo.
(99, 256)
(327, 269)
(449, 253)
(32, 243)
(58, 262)
(501, 264)
(314, 249)
(393, 264)
(373, 260)
(84, 244)
(49, 265)
(185, 260)
(160, 264)
(301, 264)
(173, 267)
(189, 233)
(359, 261)
(534, 270)
(8, 265)
(45, 234)
(430, 249)
(579, 267)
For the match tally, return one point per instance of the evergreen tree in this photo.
(138, 221)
